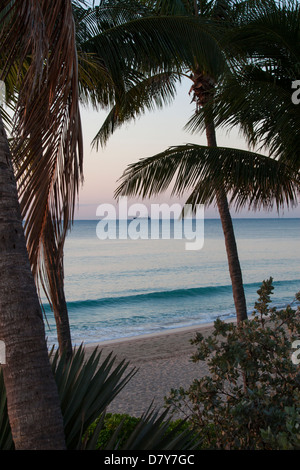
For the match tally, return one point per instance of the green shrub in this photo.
(110, 425)
(120, 428)
(289, 438)
(252, 380)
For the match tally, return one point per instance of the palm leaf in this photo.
(47, 137)
(86, 387)
(257, 97)
(252, 180)
(151, 44)
(158, 42)
(149, 93)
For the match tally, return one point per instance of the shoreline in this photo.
(166, 332)
(163, 361)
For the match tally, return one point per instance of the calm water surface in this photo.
(120, 288)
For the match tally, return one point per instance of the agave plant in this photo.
(85, 386)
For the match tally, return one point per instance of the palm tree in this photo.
(115, 42)
(257, 95)
(204, 75)
(33, 406)
(209, 92)
(45, 32)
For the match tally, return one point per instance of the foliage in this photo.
(182, 40)
(251, 180)
(111, 422)
(153, 431)
(257, 97)
(86, 387)
(127, 425)
(289, 438)
(246, 400)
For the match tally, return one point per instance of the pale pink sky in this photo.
(152, 133)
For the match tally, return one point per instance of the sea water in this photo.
(124, 288)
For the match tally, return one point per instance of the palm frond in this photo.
(86, 387)
(252, 180)
(265, 59)
(159, 43)
(148, 93)
(47, 136)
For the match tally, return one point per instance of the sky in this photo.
(150, 134)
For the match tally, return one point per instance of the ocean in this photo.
(118, 288)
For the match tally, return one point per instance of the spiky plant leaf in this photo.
(86, 387)
(6, 442)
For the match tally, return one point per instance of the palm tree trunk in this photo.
(32, 397)
(230, 242)
(55, 278)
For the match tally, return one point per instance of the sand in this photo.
(163, 361)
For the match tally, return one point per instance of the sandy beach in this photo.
(163, 361)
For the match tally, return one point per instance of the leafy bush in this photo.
(127, 426)
(111, 423)
(289, 438)
(252, 385)
(153, 431)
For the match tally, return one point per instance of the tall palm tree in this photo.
(206, 85)
(115, 42)
(47, 159)
(33, 405)
(204, 76)
(47, 183)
